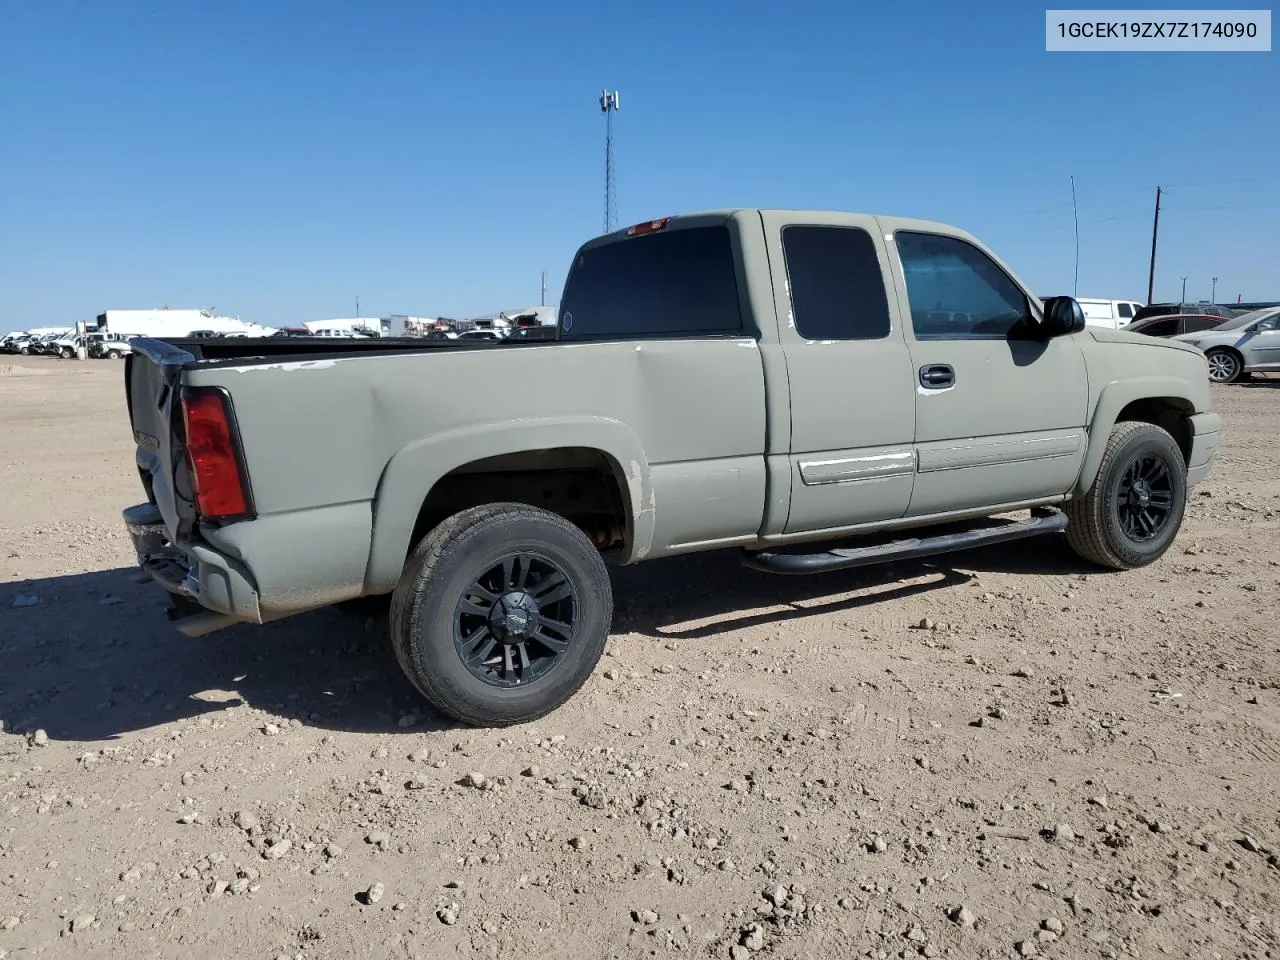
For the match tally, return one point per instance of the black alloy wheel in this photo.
(515, 621)
(1133, 510)
(1144, 498)
(501, 613)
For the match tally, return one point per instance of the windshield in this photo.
(1246, 319)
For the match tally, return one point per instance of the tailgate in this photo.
(152, 374)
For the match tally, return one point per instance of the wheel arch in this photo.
(404, 502)
(1161, 401)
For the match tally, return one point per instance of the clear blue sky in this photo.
(275, 160)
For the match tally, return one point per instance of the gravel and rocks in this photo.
(808, 779)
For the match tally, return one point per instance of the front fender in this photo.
(1115, 397)
(409, 476)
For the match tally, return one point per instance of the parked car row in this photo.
(1125, 314)
(66, 344)
(1241, 346)
(1235, 346)
(1235, 342)
(539, 332)
(54, 344)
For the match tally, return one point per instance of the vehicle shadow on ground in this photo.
(666, 598)
(95, 658)
(1258, 380)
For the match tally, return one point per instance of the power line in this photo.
(1122, 216)
(1244, 206)
(1206, 183)
(1041, 229)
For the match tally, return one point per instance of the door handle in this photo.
(935, 376)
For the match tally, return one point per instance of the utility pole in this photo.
(609, 105)
(1213, 291)
(357, 306)
(544, 288)
(1155, 229)
(1184, 291)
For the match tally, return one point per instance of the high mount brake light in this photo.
(648, 227)
(220, 490)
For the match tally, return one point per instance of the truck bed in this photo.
(244, 350)
(341, 441)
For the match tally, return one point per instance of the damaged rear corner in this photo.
(208, 591)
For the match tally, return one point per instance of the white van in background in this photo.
(1112, 314)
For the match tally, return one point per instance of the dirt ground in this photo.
(1001, 754)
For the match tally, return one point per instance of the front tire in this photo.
(1133, 511)
(1225, 366)
(501, 614)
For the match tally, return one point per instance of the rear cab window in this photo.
(1126, 311)
(675, 282)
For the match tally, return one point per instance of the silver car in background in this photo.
(1248, 344)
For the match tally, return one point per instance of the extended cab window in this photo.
(673, 283)
(1126, 311)
(956, 292)
(837, 289)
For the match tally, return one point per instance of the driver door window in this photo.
(956, 292)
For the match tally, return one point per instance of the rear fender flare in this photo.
(1114, 398)
(409, 476)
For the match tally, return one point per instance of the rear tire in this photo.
(1132, 513)
(501, 614)
(113, 354)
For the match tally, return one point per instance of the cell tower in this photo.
(609, 104)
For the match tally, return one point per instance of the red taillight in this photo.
(647, 227)
(215, 463)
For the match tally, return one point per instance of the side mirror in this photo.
(1062, 316)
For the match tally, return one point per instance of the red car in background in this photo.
(1172, 325)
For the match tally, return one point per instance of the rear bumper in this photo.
(210, 590)
(258, 570)
(1206, 437)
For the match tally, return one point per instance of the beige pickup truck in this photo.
(769, 381)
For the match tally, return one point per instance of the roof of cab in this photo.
(797, 212)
